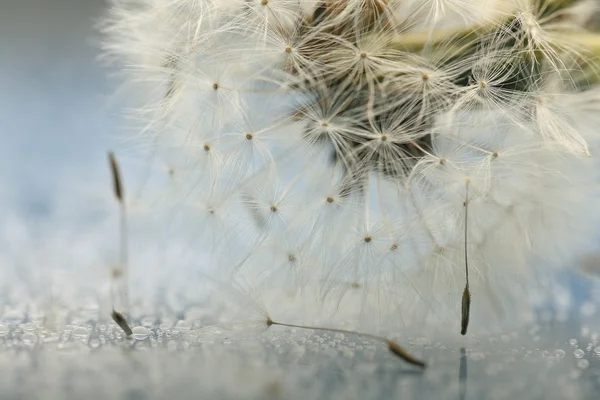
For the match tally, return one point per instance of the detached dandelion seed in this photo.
(119, 276)
(393, 346)
(121, 321)
(466, 297)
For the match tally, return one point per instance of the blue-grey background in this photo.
(56, 120)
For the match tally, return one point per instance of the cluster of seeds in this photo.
(335, 148)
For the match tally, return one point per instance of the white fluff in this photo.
(247, 102)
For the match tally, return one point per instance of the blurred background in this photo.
(55, 108)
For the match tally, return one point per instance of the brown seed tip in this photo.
(122, 322)
(114, 167)
(466, 310)
(269, 321)
(399, 351)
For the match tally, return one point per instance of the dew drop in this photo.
(573, 342)
(578, 353)
(80, 332)
(165, 325)
(182, 326)
(140, 332)
(4, 330)
(559, 353)
(597, 351)
(13, 316)
(583, 363)
(29, 338)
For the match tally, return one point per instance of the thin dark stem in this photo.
(467, 232)
(120, 275)
(123, 256)
(466, 297)
(393, 347)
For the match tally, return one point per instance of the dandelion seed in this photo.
(122, 322)
(119, 276)
(393, 346)
(324, 145)
(466, 297)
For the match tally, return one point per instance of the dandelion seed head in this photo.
(340, 136)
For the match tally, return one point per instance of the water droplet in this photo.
(597, 351)
(165, 325)
(573, 342)
(4, 330)
(29, 338)
(339, 336)
(13, 316)
(583, 363)
(80, 332)
(140, 333)
(53, 337)
(559, 353)
(578, 353)
(182, 326)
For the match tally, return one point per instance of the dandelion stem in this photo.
(120, 275)
(393, 347)
(466, 297)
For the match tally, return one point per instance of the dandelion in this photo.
(375, 155)
(119, 275)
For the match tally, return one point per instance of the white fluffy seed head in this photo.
(325, 146)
